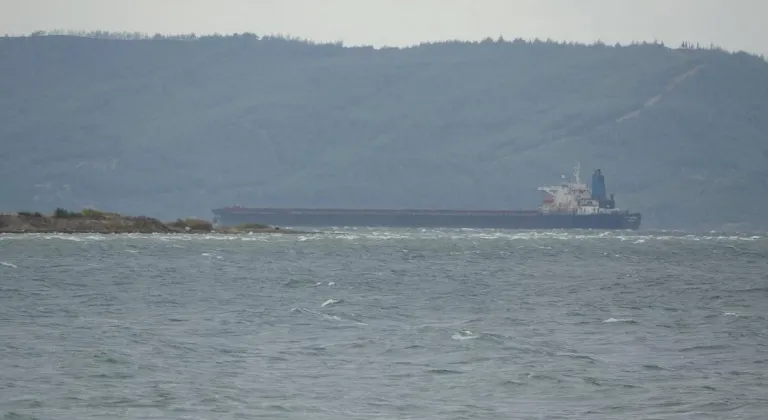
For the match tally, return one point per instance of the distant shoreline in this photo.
(95, 221)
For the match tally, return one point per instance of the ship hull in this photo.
(524, 219)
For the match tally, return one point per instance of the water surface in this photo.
(390, 324)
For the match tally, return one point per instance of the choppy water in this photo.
(397, 324)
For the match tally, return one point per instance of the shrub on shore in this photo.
(29, 214)
(62, 213)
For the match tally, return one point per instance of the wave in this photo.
(356, 234)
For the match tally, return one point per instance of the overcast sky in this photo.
(732, 24)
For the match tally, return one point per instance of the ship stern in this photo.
(632, 221)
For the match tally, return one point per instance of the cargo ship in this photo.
(569, 205)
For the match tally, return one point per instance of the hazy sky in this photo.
(732, 24)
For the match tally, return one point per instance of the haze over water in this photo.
(406, 324)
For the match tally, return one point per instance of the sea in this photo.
(385, 324)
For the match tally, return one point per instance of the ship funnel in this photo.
(598, 185)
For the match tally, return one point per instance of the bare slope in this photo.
(164, 127)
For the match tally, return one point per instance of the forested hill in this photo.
(173, 127)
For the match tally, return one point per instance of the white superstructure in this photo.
(572, 197)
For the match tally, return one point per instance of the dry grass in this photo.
(193, 224)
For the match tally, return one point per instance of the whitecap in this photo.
(329, 302)
(317, 314)
(464, 335)
(612, 319)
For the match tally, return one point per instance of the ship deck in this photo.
(359, 212)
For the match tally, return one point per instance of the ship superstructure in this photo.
(576, 197)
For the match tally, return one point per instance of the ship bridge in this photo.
(576, 197)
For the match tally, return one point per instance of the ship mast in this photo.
(577, 173)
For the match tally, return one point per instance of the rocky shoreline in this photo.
(94, 221)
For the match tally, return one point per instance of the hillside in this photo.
(169, 127)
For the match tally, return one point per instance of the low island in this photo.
(95, 221)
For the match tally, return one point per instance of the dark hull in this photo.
(533, 219)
